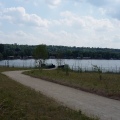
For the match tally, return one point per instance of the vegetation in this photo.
(16, 50)
(1, 51)
(97, 69)
(2, 69)
(108, 85)
(1, 56)
(18, 102)
(59, 57)
(65, 52)
(40, 54)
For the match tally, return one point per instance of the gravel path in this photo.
(90, 104)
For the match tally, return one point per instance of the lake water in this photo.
(106, 65)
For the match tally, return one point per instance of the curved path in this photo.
(90, 104)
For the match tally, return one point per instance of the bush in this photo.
(61, 66)
(50, 66)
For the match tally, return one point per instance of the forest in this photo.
(14, 51)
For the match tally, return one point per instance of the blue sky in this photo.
(82, 23)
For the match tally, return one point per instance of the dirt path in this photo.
(90, 104)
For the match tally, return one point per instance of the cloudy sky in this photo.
(88, 23)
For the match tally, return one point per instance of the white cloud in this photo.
(53, 3)
(18, 37)
(70, 28)
(18, 15)
(87, 30)
(83, 22)
(84, 37)
(102, 11)
(20, 33)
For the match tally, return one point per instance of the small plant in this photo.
(67, 68)
(97, 69)
(79, 70)
(7, 63)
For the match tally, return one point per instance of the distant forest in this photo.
(26, 51)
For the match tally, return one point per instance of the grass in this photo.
(108, 86)
(2, 69)
(18, 102)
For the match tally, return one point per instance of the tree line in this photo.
(65, 52)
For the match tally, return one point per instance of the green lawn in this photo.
(109, 85)
(18, 102)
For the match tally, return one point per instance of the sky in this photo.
(80, 23)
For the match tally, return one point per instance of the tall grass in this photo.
(108, 85)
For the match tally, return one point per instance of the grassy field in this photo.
(18, 102)
(105, 85)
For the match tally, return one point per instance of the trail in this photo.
(90, 104)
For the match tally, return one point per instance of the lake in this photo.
(105, 65)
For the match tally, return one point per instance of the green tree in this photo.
(40, 54)
(1, 56)
(59, 58)
(1, 48)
